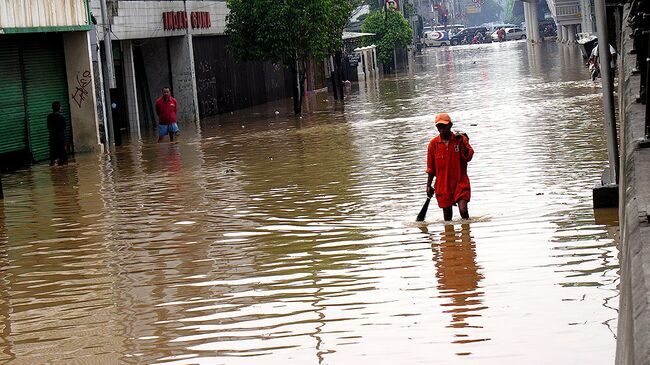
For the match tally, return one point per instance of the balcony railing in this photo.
(565, 12)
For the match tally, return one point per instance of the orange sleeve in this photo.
(470, 151)
(431, 160)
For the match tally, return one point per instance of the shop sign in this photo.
(354, 59)
(173, 20)
(201, 19)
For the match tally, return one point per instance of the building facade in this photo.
(45, 57)
(180, 44)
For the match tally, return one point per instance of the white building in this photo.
(180, 44)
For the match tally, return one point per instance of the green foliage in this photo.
(514, 19)
(286, 31)
(508, 9)
(409, 10)
(392, 31)
(516, 13)
(375, 4)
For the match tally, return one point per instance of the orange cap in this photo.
(443, 118)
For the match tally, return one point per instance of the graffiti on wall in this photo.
(81, 91)
(206, 83)
(183, 92)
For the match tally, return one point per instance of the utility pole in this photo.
(608, 90)
(109, 76)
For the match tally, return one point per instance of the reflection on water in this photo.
(269, 238)
(458, 276)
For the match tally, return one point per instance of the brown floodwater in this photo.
(272, 239)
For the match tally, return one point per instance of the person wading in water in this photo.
(447, 157)
(166, 108)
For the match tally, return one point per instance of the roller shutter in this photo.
(12, 104)
(45, 82)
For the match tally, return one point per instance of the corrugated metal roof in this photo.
(352, 35)
(43, 13)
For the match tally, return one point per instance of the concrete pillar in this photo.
(607, 80)
(99, 85)
(183, 78)
(81, 91)
(534, 23)
(374, 58)
(565, 33)
(366, 62)
(367, 66)
(527, 18)
(131, 90)
(571, 33)
(587, 22)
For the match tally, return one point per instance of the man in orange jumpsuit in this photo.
(447, 157)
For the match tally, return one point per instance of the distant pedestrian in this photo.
(501, 34)
(612, 52)
(447, 157)
(166, 109)
(56, 128)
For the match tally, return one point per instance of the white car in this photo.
(511, 34)
(436, 38)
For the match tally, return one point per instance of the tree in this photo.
(392, 31)
(287, 32)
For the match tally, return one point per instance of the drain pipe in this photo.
(608, 90)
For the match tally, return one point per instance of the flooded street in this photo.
(277, 240)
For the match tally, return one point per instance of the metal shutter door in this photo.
(45, 82)
(12, 104)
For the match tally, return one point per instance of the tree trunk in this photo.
(339, 73)
(297, 89)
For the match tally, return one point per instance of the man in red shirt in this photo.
(447, 157)
(166, 108)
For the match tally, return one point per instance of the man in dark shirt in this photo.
(56, 128)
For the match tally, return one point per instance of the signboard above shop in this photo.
(174, 20)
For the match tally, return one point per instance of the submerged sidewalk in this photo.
(633, 338)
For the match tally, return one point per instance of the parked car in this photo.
(511, 34)
(466, 36)
(450, 28)
(436, 38)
